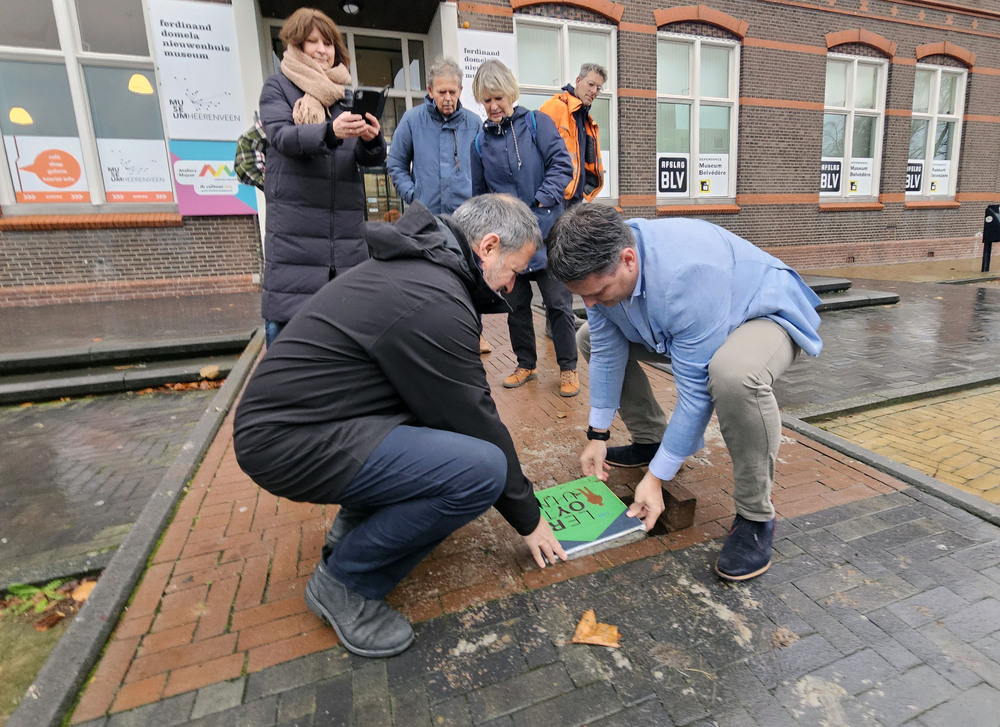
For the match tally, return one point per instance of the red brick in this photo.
(277, 630)
(167, 639)
(253, 580)
(286, 589)
(102, 686)
(281, 651)
(200, 562)
(139, 693)
(461, 598)
(242, 516)
(561, 572)
(196, 676)
(246, 551)
(206, 535)
(631, 551)
(181, 656)
(188, 598)
(805, 506)
(149, 592)
(267, 612)
(133, 626)
(694, 535)
(215, 618)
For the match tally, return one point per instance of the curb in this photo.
(55, 689)
(948, 493)
(926, 390)
(128, 352)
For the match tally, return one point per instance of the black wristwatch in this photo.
(601, 436)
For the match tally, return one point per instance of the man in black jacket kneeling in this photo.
(374, 398)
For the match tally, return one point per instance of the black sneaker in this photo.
(633, 455)
(747, 550)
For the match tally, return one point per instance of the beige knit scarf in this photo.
(322, 86)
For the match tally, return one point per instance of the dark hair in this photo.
(587, 239)
(301, 23)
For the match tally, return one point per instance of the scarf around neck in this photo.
(322, 86)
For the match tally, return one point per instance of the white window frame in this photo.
(609, 91)
(851, 111)
(72, 56)
(933, 116)
(695, 100)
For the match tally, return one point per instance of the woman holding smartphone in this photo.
(314, 191)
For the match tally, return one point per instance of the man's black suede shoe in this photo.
(747, 551)
(366, 627)
(345, 521)
(633, 455)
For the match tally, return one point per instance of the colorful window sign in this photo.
(47, 169)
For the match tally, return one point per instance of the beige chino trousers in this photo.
(740, 379)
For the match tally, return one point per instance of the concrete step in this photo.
(109, 379)
(821, 285)
(107, 354)
(855, 298)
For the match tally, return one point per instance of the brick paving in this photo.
(219, 621)
(75, 474)
(953, 438)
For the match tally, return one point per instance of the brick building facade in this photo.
(768, 129)
(784, 47)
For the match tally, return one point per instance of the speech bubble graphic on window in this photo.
(55, 168)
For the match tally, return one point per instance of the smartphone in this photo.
(369, 100)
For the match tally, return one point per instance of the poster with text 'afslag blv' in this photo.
(587, 517)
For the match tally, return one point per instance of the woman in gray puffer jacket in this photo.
(314, 191)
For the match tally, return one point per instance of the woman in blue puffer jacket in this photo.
(520, 153)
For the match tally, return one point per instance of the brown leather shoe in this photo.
(520, 377)
(570, 384)
(484, 345)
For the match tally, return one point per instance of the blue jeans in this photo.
(271, 331)
(420, 485)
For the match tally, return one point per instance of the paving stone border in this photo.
(54, 690)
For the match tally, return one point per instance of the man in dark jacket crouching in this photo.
(375, 398)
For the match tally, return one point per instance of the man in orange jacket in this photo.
(571, 112)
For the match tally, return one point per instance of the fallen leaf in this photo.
(82, 592)
(588, 631)
(209, 372)
(561, 416)
(48, 620)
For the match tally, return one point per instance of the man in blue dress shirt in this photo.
(727, 316)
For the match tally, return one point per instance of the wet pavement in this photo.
(882, 606)
(76, 473)
(74, 476)
(936, 335)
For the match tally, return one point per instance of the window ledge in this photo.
(90, 222)
(850, 206)
(680, 210)
(941, 204)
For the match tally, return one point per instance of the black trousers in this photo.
(559, 311)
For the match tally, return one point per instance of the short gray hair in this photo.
(444, 66)
(494, 77)
(594, 68)
(502, 214)
(587, 239)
